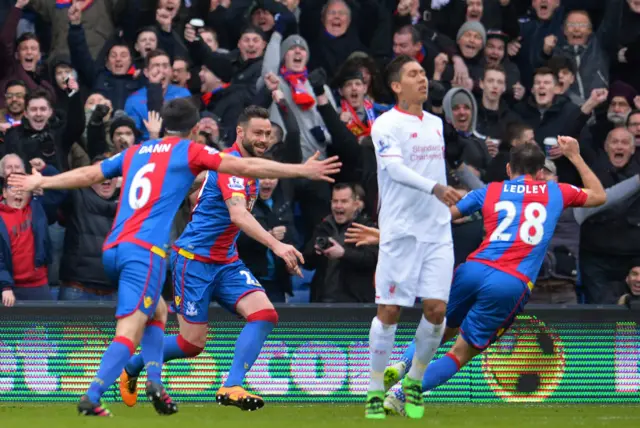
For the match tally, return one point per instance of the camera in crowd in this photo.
(323, 243)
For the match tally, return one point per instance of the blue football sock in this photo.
(175, 347)
(440, 371)
(113, 360)
(407, 357)
(152, 350)
(249, 344)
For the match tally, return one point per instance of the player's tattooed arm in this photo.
(235, 201)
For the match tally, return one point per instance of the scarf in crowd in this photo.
(420, 55)
(296, 82)
(65, 4)
(11, 121)
(206, 98)
(355, 125)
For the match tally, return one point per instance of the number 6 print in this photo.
(142, 183)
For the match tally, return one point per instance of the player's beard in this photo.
(249, 147)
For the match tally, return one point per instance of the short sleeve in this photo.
(472, 202)
(387, 146)
(231, 185)
(572, 196)
(202, 158)
(112, 167)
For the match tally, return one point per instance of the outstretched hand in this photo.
(360, 234)
(26, 183)
(291, 257)
(321, 170)
(446, 194)
(569, 146)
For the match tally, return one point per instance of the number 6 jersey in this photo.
(520, 216)
(156, 177)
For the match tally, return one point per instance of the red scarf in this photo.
(296, 82)
(355, 125)
(206, 98)
(420, 55)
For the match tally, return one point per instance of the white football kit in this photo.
(416, 247)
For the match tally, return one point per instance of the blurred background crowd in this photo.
(82, 80)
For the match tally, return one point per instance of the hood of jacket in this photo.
(448, 108)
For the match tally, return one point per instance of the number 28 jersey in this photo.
(156, 177)
(520, 217)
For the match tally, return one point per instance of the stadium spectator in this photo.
(158, 71)
(146, 41)
(494, 112)
(115, 80)
(515, 133)
(88, 216)
(24, 243)
(344, 273)
(610, 240)
(11, 115)
(45, 133)
(633, 283)
(461, 111)
(181, 73)
(20, 59)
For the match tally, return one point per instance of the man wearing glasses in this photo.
(14, 96)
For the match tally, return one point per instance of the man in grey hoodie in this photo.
(461, 112)
(288, 60)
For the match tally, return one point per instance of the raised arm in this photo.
(313, 169)
(615, 195)
(74, 179)
(592, 186)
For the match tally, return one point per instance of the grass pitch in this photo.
(325, 415)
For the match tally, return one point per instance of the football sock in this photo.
(113, 360)
(249, 344)
(407, 357)
(152, 350)
(175, 347)
(381, 339)
(427, 341)
(440, 371)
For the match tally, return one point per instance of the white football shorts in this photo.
(408, 269)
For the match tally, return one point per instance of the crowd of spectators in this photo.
(84, 79)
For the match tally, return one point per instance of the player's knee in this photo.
(189, 347)
(268, 315)
(161, 313)
(388, 314)
(435, 311)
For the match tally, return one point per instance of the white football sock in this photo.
(381, 340)
(428, 338)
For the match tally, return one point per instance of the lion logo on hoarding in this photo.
(527, 364)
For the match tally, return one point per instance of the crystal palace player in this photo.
(206, 267)
(416, 249)
(494, 284)
(156, 178)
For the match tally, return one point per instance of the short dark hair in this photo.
(211, 30)
(146, 29)
(38, 94)
(527, 158)
(252, 112)
(542, 71)
(494, 67)
(557, 63)
(253, 29)
(16, 82)
(155, 54)
(182, 58)
(343, 186)
(25, 37)
(179, 116)
(410, 29)
(394, 69)
(513, 131)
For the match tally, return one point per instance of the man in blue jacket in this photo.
(158, 71)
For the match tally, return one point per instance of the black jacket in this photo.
(562, 118)
(53, 143)
(615, 231)
(253, 253)
(347, 280)
(88, 219)
(95, 75)
(493, 123)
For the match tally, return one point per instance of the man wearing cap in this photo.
(471, 39)
(461, 111)
(123, 132)
(221, 100)
(356, 110)
(288, 60)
